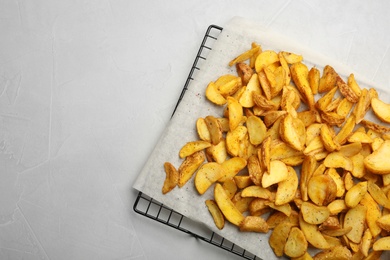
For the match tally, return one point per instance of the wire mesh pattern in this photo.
(149, 207)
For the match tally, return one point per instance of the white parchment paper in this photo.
(235, 38)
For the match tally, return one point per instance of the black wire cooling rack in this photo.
(149, 207)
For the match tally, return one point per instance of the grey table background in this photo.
(86, 89)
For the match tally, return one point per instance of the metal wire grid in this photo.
(149, 207)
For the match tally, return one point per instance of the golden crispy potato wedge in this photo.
(359, 137)
(230, 87)
(312, 234)
(314, 214)
(328, 79)
(243, 181)
(231, 187)
(358, 165)
(275, 218)
(377, 161)
(338, 160)
(232, 167)
(354, 85)
(314, 79)
(254, 224)
(171, 179)
(253, 87)
(332, 118)
(350, 150)
(345, 130)
(189, 166)
(293, 132)
(278, 172)
(244, 71)
(326, 99)
(256, 129)
(328, 139)
(381, 109)
(241, 203)
(287, 189)
(265, 58)
(344, 107)
(378, 195)
(384, 222)
(296, 244)
(355, 194)
(375, 127)
(217, 153)
(308, 117)
(361, 106)
(235, 113)
(270, 117)
(336, 252)
(292, 58)
(257, 192)
(229, 210)
(322, 189)
(309, 164)
(245, 55)
(234, 138)
(365, 245)
(213, 94)
(202, 130)
(215, 129)
(346, 90)
(207, 175)
(382, 244)
(216, 214)
(285, 208)
(254, 169)
(299, 74)
(338, 180)
(355, 218)
(279, 236)
(337, 206)
(193, 147)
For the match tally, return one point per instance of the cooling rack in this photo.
(154, 210)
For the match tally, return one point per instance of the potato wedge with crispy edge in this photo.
(378, 195)
(328, 139)
(355, 218)
(337, 252)
(278, 172)
(216, 214)
(193, 147)
(215, 129)
(312, 234)
(232, 167)
(299, 74)
(382, 244)
(217, 153)
(207, 175)
(189, 166)
(338, 160)
(314, 214)
(381, 109)
(257, 192)
(328, 79)
(244, 71)
(293, 132)
(229, 210)
(255, 170)
(377, 162)
(287, 189)
(265, 58)
(256, 129)
(322, 189)
(246, 99)
(235, 113)
(254, 224)
(314, 79)
(245, 55)
(171, 179)
(355, 194)
(296, 244)
(213, 94)
(278, 237)
(234, 138)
